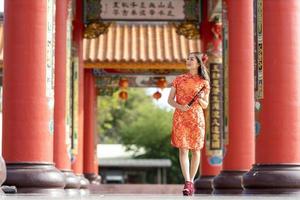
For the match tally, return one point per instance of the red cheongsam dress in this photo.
(188, 129)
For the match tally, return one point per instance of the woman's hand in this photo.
(201, 95)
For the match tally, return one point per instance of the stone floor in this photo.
(135, 192)
(139, 197)
(174, 189)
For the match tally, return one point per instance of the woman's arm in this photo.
(204, 96)
(203, 100)
(172, 102)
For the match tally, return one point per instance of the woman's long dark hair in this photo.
(202, 71)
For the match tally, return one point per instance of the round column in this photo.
(239, 153)
(90, 106)
(77, 165)
(62, 157)
(28, 100)
(277, 168)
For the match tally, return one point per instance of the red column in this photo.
(90, 106)
(77, 165)
(28, 99)
(203, 184)
(277, 166)
(61, 134)
(239, 153)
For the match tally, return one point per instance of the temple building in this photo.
(58, 57)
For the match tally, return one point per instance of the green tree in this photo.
(111, 111)
(150, 129)
(138, 121)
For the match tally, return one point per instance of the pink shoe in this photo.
(188, 189)
(192, 188)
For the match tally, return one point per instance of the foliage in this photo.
(111, 111)
(138, 121)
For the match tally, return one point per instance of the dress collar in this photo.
(191, 75)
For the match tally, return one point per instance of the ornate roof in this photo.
(136, 46)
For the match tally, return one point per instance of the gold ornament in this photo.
(189, 30)
(93, 30)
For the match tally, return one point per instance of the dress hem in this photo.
(186, 147)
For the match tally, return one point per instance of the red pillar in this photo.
(277, 166)
(90, 106)
(239, 153)
(28, 101)
(61, 134)
(77, 165)
(203, 184)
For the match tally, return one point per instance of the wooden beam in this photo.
(134, 65)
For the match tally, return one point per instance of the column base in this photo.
(72, 187)
(203, 185)
(228, 182)
(272, 179)
(8, 189)
(35, 178)
(93, 178)
(72, 181)
(84, 183)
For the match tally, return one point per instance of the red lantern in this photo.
(123, 95)
(156, 95)
(161, 83)
(123, 83)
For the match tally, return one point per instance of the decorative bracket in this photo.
(93, 30)
(190, 30)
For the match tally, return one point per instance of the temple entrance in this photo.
(137, 56)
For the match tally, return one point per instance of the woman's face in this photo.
(191, 62)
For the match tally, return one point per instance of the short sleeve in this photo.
(175, 82)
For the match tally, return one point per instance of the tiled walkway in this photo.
(140, 197)
(137, 192)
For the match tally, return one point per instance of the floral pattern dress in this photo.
(188, 129)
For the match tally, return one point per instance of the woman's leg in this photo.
(195, 161)
(184, 163)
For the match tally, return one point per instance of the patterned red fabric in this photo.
(188, 129)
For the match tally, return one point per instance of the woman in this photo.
(188, 120)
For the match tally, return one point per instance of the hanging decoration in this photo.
(156, 95)
(123, 83)
(162, 83)
(123, 95)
